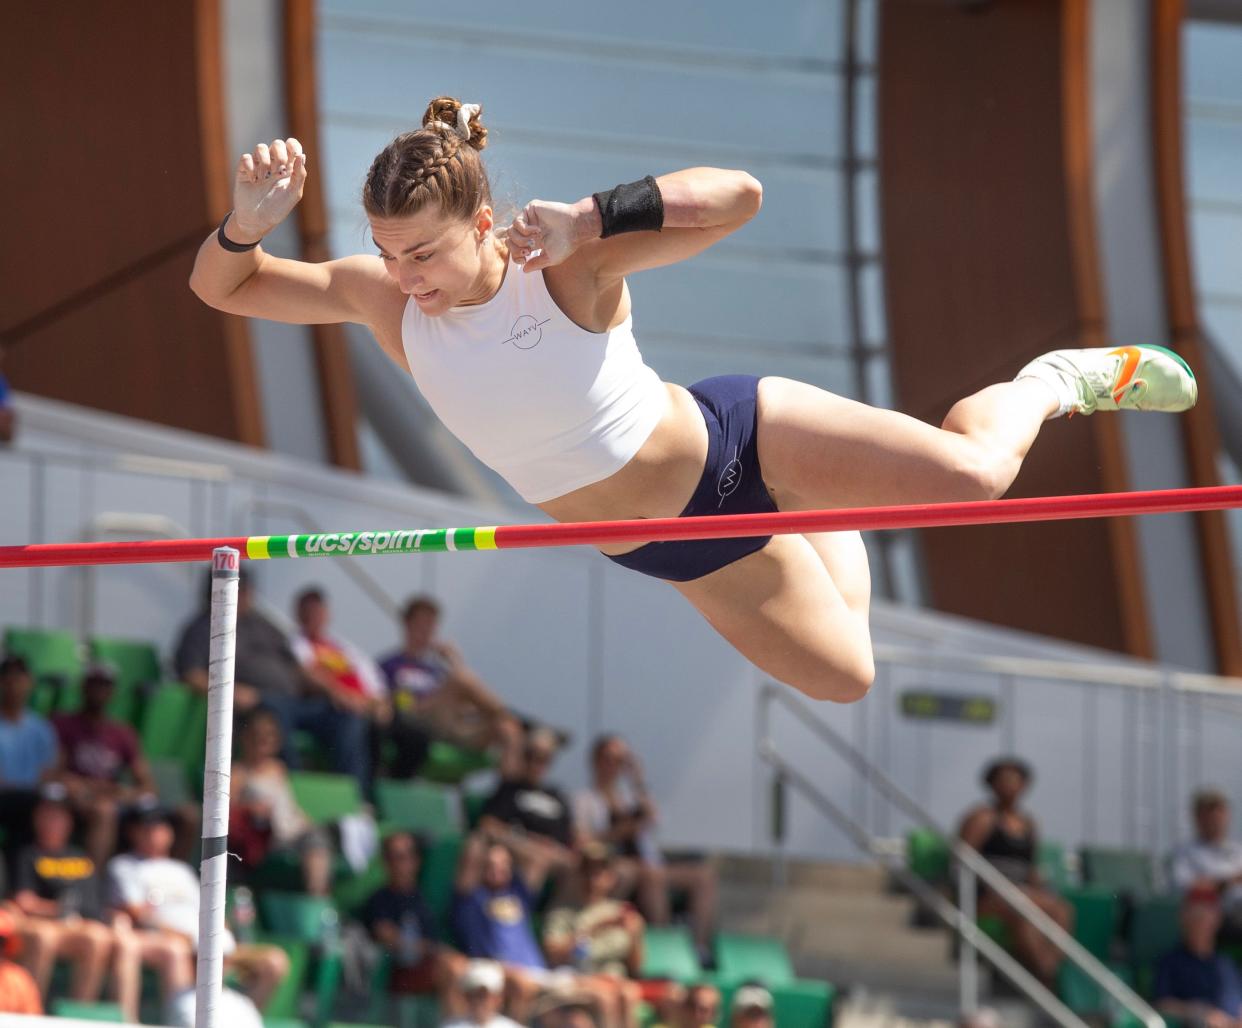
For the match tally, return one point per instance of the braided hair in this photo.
(432, 165)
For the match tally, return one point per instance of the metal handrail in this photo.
(972, 936)
(966, 855)
(367, 582)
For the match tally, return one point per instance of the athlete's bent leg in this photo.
(783, 611)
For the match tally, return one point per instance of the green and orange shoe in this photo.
(1127, 378)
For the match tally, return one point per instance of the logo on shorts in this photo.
(527, 332)
(729, 479)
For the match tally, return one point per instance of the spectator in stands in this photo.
(101, 762)
(526, 813)
(752, 1008)
(264, 816)
(400, 922)
(28, 751)
(267, 671)
(56, 893)
(1194, 982)
(603, 936)
(8, 416)
(351, 678)
(618, 810)
(699, 1007)
(1212, 860)
(435, 694)
(1008, 838)
(492, 919)
(156, 900)
(482, 986)
(18, 992)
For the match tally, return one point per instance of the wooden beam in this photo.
(1200, 433)
(336, 377)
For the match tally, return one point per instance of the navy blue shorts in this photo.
(732, 483)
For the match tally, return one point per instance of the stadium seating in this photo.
(420, 807)
(53, 656)
(669, 953)
(109, 1012)
(325, 797)
(1125, 871)
(137, 666)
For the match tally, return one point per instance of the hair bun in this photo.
(443, 113)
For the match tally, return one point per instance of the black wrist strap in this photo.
(631, 207)
(228, 244)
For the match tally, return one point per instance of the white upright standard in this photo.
(225, 566)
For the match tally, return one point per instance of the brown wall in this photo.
(115, 171)
(990, 260)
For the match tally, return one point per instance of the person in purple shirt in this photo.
(1194, 982)
(435, 694)
(492, 920)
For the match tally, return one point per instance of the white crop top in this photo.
(549, 406)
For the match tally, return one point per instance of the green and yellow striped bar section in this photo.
(361, 544)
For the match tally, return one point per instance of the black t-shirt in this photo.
(539, 809)
(67, 876)
(387, 904)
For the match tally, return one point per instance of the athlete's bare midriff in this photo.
(658, 480)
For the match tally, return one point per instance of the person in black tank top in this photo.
(1009, 838)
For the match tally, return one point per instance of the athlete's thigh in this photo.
(781, 609)
(818, 449)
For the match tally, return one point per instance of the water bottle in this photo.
(243, 915)
(330, 932)
(409, 943)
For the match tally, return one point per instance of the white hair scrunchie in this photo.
(462, 128)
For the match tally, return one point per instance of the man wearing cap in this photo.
(482, 985)
(752, 1008)
(1212, 860)
(101, 762)
(158, 897)
(56, 892)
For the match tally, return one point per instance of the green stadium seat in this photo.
(1083, 996)
(994, 927)
(473, 804)
(137, 669)
(741, 958)
(1053, 869)
(927, 855)
(325, 797)
(293, 915)
(171, 783)
(282, 1005)
(283, 1022)
(804, 1002)
(1154, 929)
(353, 890)
(84, 1011)
(669, 953)
(53, 655)
(170, 715)
(438, 876)
(449, 764)
(422, 807)
(1125, 871)
(1097, 915)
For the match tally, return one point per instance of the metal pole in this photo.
(225, 564)
(968, 963)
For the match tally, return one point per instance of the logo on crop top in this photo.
(729, 479)
(527, 332)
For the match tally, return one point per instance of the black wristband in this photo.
(228, 244)
(631, 207)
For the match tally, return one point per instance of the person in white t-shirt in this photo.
(483, 986)
(618, 810)
(158, 896)
(1212, 859)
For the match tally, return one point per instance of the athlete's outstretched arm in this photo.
(267, 186)
(701, 207)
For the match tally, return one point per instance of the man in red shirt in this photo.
(102, 764)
